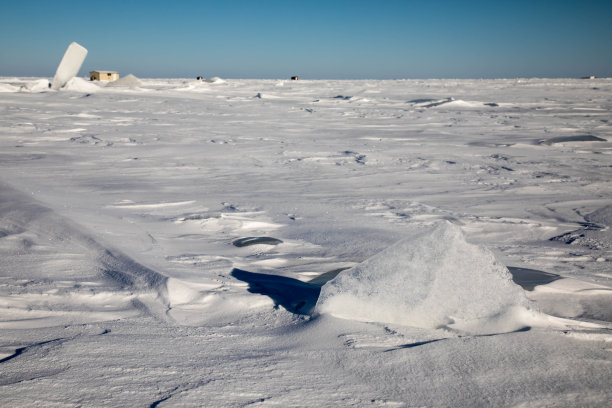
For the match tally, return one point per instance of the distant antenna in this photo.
(69, 66)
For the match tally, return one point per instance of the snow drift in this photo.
(128, 81)
(433, 279)
(77, 84)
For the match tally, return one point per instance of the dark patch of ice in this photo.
(422, 100)
(567, 139)
(430, 103)
(248, 241)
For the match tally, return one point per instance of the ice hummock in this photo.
(432, 279)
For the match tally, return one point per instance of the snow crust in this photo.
(432, 279)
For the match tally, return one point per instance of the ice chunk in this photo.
(128, 81)
(69, 65)
(432, 279)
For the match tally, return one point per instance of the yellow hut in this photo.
(103, 76)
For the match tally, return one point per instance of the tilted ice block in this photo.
(69, 66)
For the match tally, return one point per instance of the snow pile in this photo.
(77, 84)
(430, 280)
(128, 81)
(40, 85)
(8, 88)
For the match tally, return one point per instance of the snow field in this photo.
(166, 244)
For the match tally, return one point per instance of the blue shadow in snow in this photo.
(292, 294)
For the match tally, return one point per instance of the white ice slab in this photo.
(69, 66)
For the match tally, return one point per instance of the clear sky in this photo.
(310, 38)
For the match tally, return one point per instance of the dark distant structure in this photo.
(588, 77)
(199, 78)
(294, 78)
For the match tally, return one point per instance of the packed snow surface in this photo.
(306, 243)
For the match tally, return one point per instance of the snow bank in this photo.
(430, 280)
(127, 81)
(77, 84)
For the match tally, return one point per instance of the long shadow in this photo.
(422, 343)
(530, 278)
(21, 350)
(292, 294)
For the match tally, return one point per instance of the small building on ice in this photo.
(103, 76)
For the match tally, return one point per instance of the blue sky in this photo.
(313, 39)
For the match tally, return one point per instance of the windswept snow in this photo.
(327, 243)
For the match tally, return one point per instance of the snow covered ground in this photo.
(165, 243)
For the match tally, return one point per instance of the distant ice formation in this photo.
(77, 84)
(69, 65)
(128, 81)
(433, 279)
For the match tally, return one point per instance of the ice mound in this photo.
(432, 279)
(128, 81)
(77, 84)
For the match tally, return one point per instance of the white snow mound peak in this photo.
(128, 81)
(432, 279)
(77, 84)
